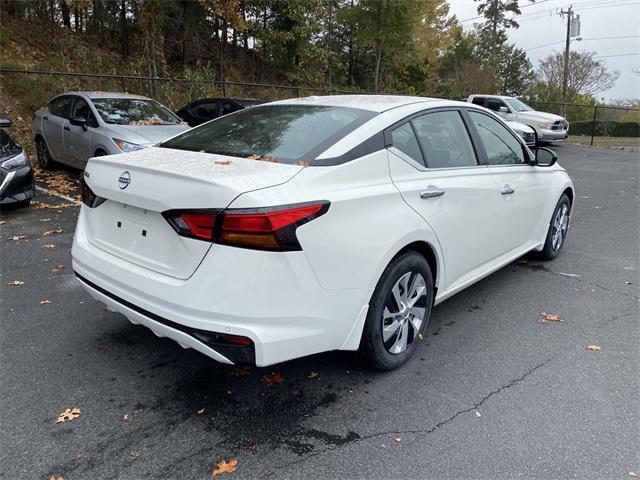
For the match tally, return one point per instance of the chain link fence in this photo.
(597, 125)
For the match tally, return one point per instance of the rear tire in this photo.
(45, 160)
(558, 229)
(399, 312)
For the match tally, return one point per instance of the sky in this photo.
(541, 24)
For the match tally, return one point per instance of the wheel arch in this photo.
(429, 253)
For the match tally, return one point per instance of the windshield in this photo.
(518, 106)
(275, 133)
(134, 111)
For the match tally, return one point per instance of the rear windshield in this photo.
(276, 133)
(134, 111)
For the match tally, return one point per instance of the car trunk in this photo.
(130, 225)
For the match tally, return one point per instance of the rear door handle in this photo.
(506, 190)
(432, 192)
(67, 129)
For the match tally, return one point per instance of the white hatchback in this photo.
(315, 224)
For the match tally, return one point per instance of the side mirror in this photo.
(504, 110)
(545, 157)
(79, 122)
(5, 122)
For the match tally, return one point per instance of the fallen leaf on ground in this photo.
(397, 439)
(2, 222)
(56, 478)
(478, 414)
(68, 414)
(49, 246)
(253, 448)
(15, 283)
(549, 317)
(240, 371)
(225, 467)
(633, 474)
(594, 348)
(421, 337)
(126, 417)
(45, 219)
(222, 162)
(200, 412)
(15, 238)
(51, 232)
(46, 301)
(57, 268)
(313, 375)
(273, 377)
(295, 392)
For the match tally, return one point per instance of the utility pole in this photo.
(565, 70)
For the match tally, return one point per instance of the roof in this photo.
(374, 103)
(490, 96)
(107, 95)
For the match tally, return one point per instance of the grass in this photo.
(605, 141)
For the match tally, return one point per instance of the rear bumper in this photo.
(271, 298)
(16, 185)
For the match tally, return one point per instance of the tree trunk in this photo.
(66, 16)
(380, 42)
(125, 33)
(76, 18)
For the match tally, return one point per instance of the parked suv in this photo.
(548, 126)
(76, 126)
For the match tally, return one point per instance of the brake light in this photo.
(271, 228)
(89, 198)
(193, 223)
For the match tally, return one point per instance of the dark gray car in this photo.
(76, 126)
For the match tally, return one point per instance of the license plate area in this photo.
(143, 237)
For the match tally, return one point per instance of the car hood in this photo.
(146, 135)
(520, 127)
(539, 116)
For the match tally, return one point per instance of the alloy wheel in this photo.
(404, 312)
(560, 227)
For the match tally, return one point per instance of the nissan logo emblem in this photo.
(124, 180)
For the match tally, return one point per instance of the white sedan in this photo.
(315, 224)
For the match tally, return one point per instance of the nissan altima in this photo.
(315, 224)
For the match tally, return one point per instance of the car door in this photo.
(434, 165)
(53, 122)
(78, 141)
(523, 188)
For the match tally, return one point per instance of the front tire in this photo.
(558, 228)
(399, 312)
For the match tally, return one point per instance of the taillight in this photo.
(193, 223)
(271, 228)
(89, 198)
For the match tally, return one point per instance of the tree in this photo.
(492, 33)
(587, 74)
(514, 71)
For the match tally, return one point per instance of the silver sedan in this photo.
(76, 126)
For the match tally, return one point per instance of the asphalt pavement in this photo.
(492, 393)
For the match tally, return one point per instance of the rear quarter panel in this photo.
(366, 225)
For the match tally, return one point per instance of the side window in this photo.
(501, 145)
(206, 110)
(405, 140)
(495, 104)
(60, 107)
(478, 101)
(445, 140)
(82, 109)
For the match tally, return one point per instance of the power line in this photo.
(619, 55)
(523, 6)
(583, 40)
